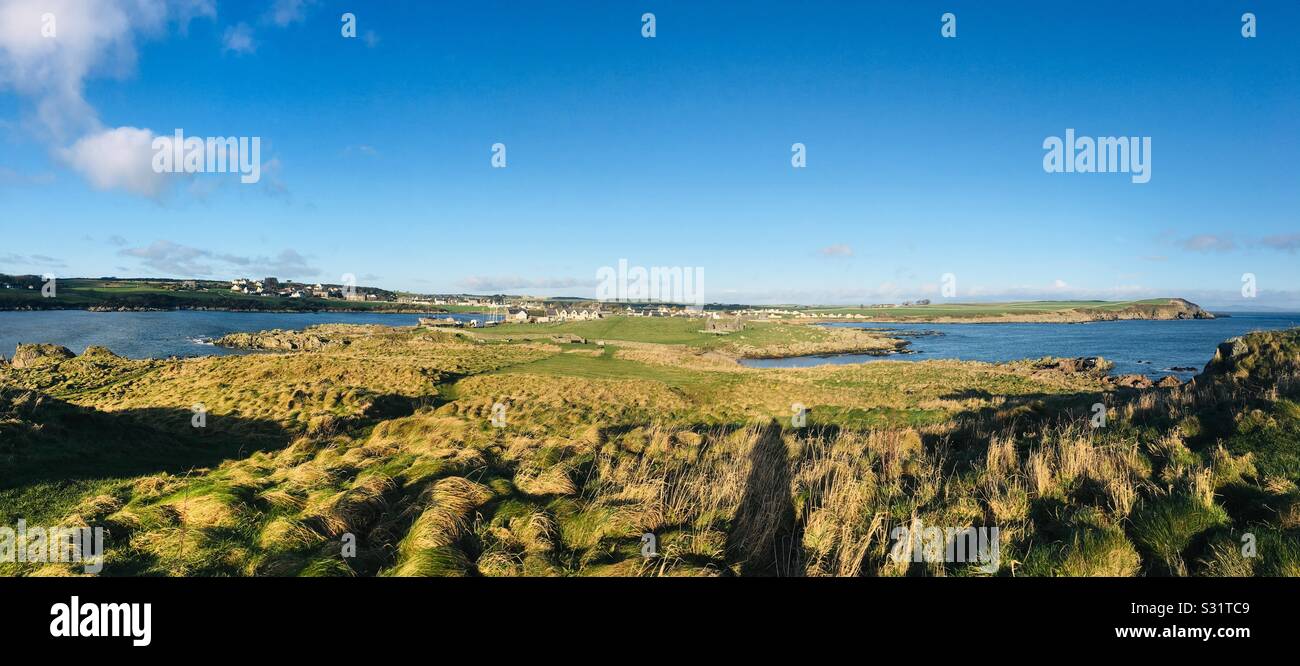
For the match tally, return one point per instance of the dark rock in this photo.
(1132, 381)
(1083, 364)
(31, 355)
(1227, 355)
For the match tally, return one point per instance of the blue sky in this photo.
(924, 154)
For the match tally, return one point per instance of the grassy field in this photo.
(756, 339)
(449, 454)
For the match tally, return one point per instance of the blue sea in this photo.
(1153, 348)
(1146, 347)
(178, 333)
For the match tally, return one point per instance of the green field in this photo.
(662, 330)
(607, 366)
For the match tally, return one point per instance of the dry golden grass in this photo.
(387, 440)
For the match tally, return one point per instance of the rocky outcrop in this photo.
(1229, 353)
(1259, 356)
(1131, 381)
(1079, 365)
(1169, 381)
(276, 340)
(1175, 308)
(32, 355)
(95, 352)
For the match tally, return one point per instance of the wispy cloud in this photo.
(31, 261)
(840, 250)
(1208, 243)
(287, 12)
(238, 39)
(1283, 242)
(361, 149)
(508, 283)
(170, 258)
(10, 177)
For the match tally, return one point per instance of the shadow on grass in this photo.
(766, 535)
(45, 439)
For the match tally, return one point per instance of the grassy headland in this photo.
(170, 294)
(386, 434)
(1027, 311)
(113, 294)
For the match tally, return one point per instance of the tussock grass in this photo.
(386, 440)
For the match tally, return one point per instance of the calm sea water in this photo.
(172, 333)
(1137, 346)
(1146, 347)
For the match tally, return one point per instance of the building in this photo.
(720, 325)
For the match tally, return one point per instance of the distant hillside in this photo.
(1027, 311)
(23, 292)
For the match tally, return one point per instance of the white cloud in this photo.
(840, 250)
(90, 38)
(285, 12)
(119, 158)
(238, 39)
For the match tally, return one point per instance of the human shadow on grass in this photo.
(45, 439)
(766, 536)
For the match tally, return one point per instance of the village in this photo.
(271, 287)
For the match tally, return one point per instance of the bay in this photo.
(1148, 347)
(180, 333)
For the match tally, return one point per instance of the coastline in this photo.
(101, 308)
(1000, 319)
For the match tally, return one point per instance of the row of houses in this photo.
(456, 323)
(271, 287)
(551, 315)
(666, 311)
